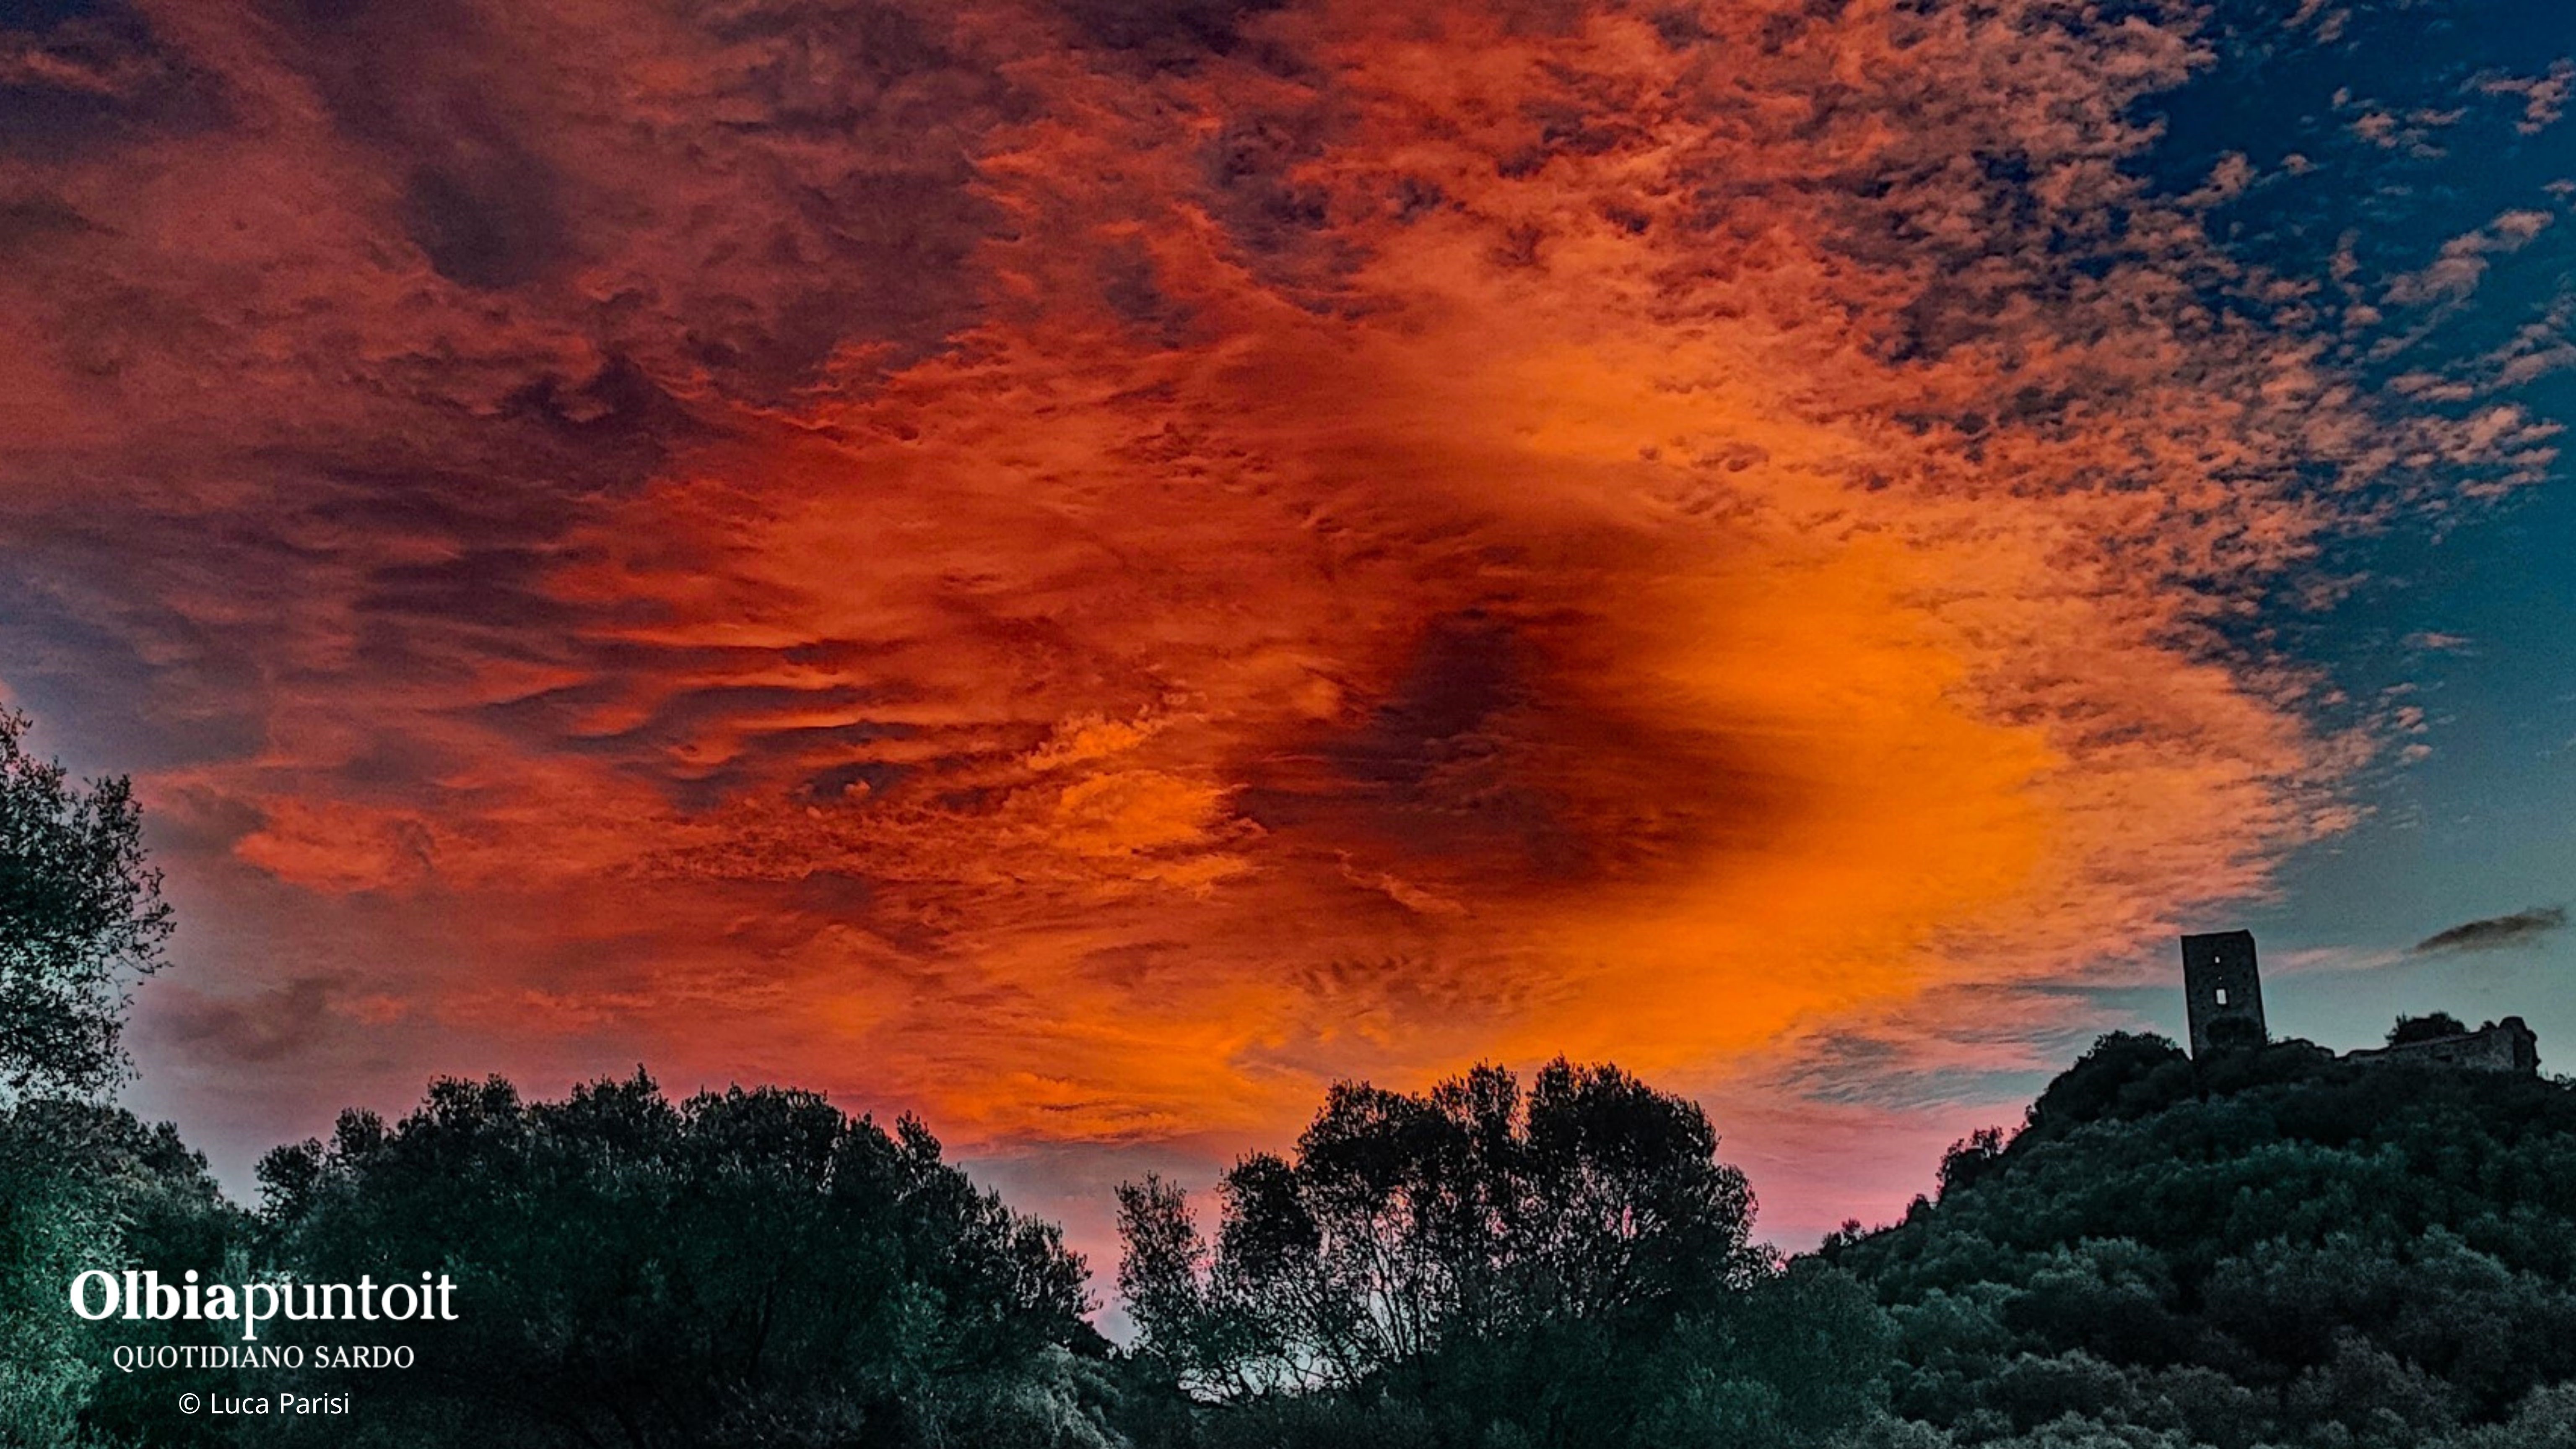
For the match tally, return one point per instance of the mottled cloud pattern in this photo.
(1084, 567)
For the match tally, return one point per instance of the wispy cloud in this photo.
(2463, 261)
(2496, 933)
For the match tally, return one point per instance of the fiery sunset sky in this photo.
(1085, 567)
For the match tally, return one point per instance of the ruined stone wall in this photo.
(2505, 1046)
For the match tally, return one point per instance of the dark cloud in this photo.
(281, 1023)
(1851, 1070)
(74, 77)
(1165, 32)
(2496, 932)
(490, 225)
(32, 219)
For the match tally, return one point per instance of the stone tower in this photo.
(2220, 988)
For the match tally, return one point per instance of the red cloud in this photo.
(1088, 576)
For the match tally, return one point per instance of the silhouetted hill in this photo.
(2269, 1248)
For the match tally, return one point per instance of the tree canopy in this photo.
(1405, 1223)
(2268, 1249)
(2432, 1026)
(80, 913)
(2273, 1249)
(742, 1267)
(1567, 1266)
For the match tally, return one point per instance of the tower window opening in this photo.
(2222, 996)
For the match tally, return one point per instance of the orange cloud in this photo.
(1087, 577)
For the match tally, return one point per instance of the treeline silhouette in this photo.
(2265, 1249)
(2272, 1248)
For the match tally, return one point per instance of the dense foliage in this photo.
(745, 1267)
(2266, 1249)
(80, 912)
(1473, 1266)
(2269, 1248)
(84, 1186)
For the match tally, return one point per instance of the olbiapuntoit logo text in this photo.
(99, 1294)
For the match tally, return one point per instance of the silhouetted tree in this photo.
(1473, 1266)
(745, 1267)
(82, 1185)
(79, 912)
(1405, 1224)
(1969, 1158)
(2429, 1027)
(2122, 1075)
(87, 1186)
